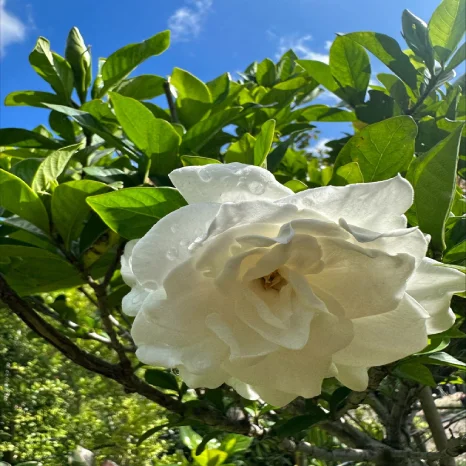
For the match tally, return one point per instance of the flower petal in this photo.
(352, 377)
(231, 182)
(377, 206)
(384, 338)
(432, 286)
(170, 242)
(133, 301)
(363, 281)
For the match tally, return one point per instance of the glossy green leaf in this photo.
(206, 439)
(32, 99)
(242, 151)
(458, 58)
(441, 359)
(52, 68)
(211, 458)
(326, 113)
(388, 51)
(347, 174)
(300, 423)
(416, 372)
(264, 142)
(17, 197)
(266, 74)
(397, 89)
(296, 186)
(351, 68)
(382, 149)
(190, 160)
(79, 57)
(235, 443)
(52, 166)
(131, 212)
(189, 437)
(62, 125)
(69, 207)
(162, 379)
(447, 26)
(26, 169)
(149, 433)
(193, 100)
(219, 88)
(434, 179)
(416, 35)
(155, 137)
(24, 138)
(322, 74)
(120, 63)
(201, 133)
(144, 87)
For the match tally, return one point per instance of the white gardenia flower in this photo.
(271, 291)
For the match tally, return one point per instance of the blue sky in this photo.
(210, 36)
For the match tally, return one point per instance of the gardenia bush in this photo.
(283, 306)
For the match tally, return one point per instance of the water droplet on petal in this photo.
(256, 187)
(184, 243)
(205, 175)
(172, 254)
(174, 228)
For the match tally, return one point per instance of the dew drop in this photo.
(256, 187)
(172, 254)
(174, 228)
(184, 243)
(204, 175)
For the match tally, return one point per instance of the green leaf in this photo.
(211, 458)
(397, 89)
(17, 197)
(415, 371)
(434, 180)
(266, 74)
(26, 169)
(52, 166)
(162, 379)
(52, 68)
(235, 443)
(441, 359)
(190, 160)
(155, 137)
(149, 433)
(24, 138)
(242, 151)
(144, 87)
(416, 36)
(120, 63)
(32, 99)
(351, 68)
(382, 149)
(296, 186)
(69, 207)
(322, 74)
(446, 27)
(264, 142)
(189, 437)
(300, 423)
(201, 133)
(458, 58)
(387, 50)
(326, 113)
(194, 99)
(206, 439)
(131, 212)
(219, 88)
(62, 125)
(87, 121)
(79, 57)
(347, 174)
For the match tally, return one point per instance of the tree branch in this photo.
(435, 423)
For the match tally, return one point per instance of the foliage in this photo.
(72, 193)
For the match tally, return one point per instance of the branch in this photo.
(435, 423)
(130, 382)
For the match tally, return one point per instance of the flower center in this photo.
(273, 280)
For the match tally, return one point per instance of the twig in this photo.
(435, 423)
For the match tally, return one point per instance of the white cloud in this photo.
(11, 28)
(300, 47)
(186, 22)
(320, 149)
(328, 44)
